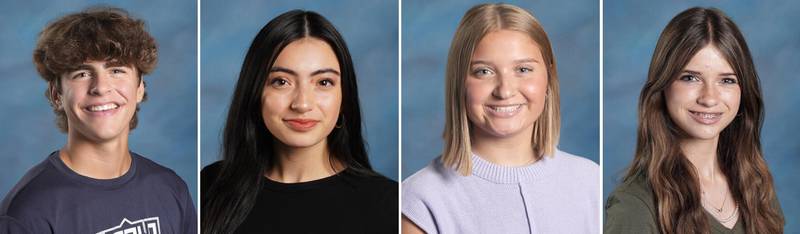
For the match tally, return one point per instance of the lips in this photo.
(707, 118)
(503, 110)
(301, 124)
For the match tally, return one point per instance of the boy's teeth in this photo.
(103, 107)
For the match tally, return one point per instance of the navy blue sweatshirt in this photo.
(51, 198)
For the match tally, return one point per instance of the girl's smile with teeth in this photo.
(504, 108)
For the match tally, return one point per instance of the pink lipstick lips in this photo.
(301, 124)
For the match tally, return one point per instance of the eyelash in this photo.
(86, 73)
(278, 82)
(486, 71)
(482, 72)
(329, 81)
(80, 75)
(729, 81)
(694, 78)
(689, 78)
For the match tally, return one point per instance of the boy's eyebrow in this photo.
(115, 63)
(110, 63)
(80, 67)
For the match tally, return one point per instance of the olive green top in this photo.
(631, 209)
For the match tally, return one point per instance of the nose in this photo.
(100, 84)
(504, 86)
(303, 99)
(709, 96)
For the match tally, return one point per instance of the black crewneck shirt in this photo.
(342, 203)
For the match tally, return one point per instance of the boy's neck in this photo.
(99, 160)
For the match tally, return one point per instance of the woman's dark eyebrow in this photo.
(292, 72)
(282, 69)
(325, 70)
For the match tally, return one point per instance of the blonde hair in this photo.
(476, 23)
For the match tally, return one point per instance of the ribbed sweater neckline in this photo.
(510, 175)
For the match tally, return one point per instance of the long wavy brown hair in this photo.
(658, 157)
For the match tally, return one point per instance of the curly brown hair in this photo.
(97, 33)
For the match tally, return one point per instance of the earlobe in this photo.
(140, 91)
(56, 96)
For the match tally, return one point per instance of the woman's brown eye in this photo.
(326, 83)
(278, 82)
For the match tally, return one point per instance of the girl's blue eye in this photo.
(689, 78)
(524, 69)
(729, 81)
(482, 72)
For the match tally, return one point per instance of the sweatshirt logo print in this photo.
(142, 226)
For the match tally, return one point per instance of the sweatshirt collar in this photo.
(509, 175)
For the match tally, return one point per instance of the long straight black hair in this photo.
(247, 148)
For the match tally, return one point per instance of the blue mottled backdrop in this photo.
(631, 30)
(428, 28)
(167, 131)
(370, 31)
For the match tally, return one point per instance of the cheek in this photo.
(70, 94)
(477, 92)
(329, 103)
(678, 95)
(732, 98)
(272, 103)
(535, 88)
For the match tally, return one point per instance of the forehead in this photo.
(507, 45)
(307, 54)
(709, 60)
(101, 63)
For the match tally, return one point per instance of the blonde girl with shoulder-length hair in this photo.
(500, 171)
(698, 165)
(476, 24)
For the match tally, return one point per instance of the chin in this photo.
(299, 141)
(702, 133)
(503, 132)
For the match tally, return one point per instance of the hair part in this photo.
(96, 33)
(479, 21)
(658, 156)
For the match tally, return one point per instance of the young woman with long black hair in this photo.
(293, 155)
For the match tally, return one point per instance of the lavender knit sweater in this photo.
(558, 194)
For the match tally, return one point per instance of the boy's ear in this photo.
(55, 95)
(140, 90)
